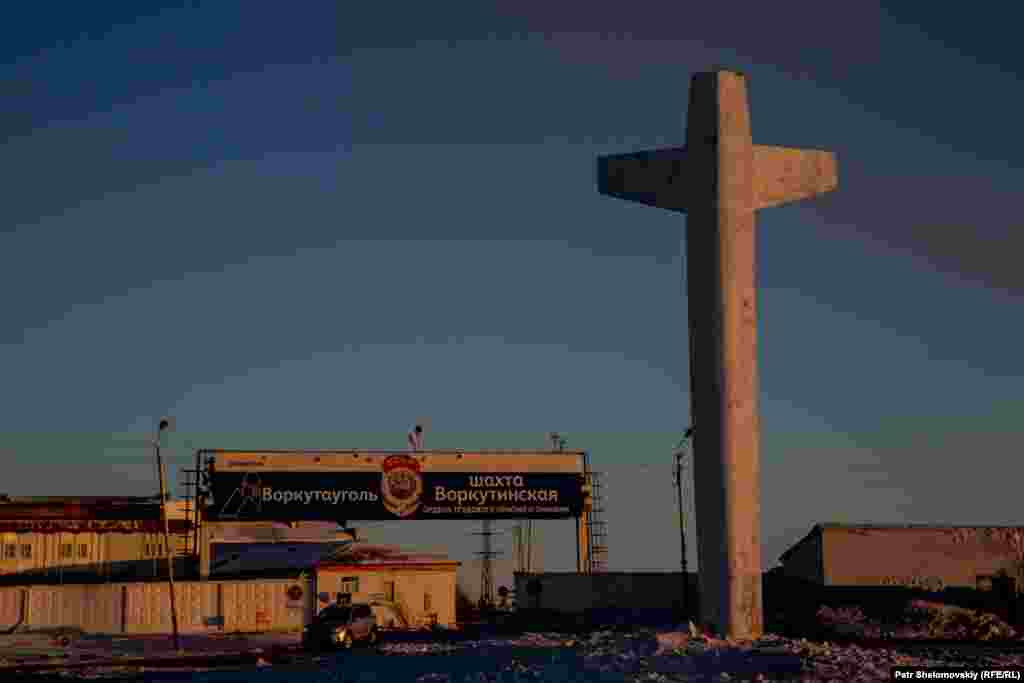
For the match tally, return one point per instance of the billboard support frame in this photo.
(320, 460)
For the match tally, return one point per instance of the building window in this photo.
(26, 551)
(155, 550)
(10, 551)
(67, 550)
(83, 550)
(349, 584)
(389, 591)
(426, 602)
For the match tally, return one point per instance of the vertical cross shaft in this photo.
(722, 300)
(720, 179)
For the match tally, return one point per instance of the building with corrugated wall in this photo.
(925, 557)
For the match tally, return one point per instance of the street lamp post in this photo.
(165, 423)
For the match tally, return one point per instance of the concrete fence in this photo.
(608, 597)
(203, 607)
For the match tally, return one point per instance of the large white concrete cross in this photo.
(719, 179)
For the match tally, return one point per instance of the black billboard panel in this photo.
(398, 491)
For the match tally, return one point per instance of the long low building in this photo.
(54, 535)
(926, 557)
(68, 539)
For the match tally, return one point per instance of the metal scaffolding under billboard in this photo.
(351, 485)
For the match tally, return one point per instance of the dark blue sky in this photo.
(307, 225)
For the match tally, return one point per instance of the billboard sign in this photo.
(397, 486)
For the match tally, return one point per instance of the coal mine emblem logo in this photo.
(401, 485)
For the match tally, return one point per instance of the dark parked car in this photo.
(340, 626)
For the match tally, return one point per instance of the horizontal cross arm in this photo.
(667, 178)
(654, 177)
(786, 174)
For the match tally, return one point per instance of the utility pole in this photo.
(165, 423)
(679, 453)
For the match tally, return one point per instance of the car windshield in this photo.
(335, 613)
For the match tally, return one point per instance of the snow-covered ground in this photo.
(644, 655)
